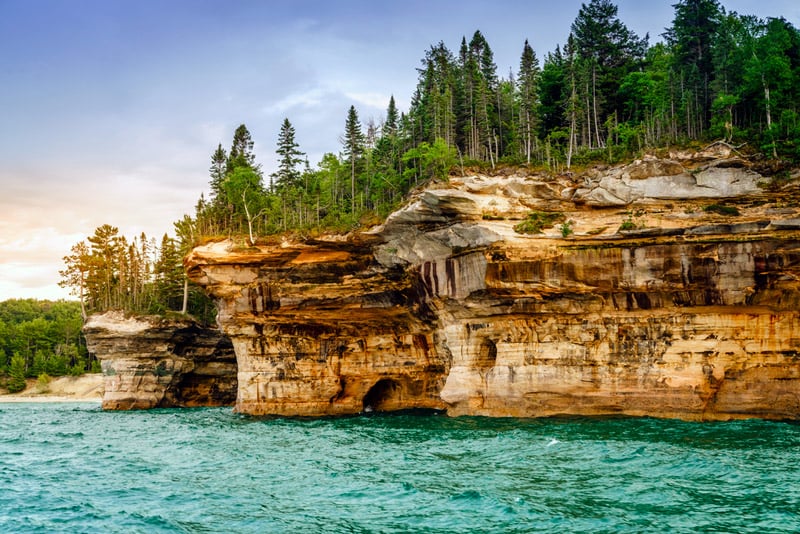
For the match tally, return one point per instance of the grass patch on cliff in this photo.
(634, 220)
(536, 221)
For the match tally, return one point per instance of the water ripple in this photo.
(75, 468)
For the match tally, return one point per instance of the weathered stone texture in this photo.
(445, 306)
(151, 362)
(324, 329)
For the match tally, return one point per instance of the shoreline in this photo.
(84, 388)
(41, 399)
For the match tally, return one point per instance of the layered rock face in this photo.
(685, 314)
(322, 329)
(152, 362)
(704, 330)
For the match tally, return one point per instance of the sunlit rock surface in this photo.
(686, 314)
(322, 328)
(151, 362)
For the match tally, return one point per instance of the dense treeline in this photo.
(606, 93)
(372, 174)
(717, 75)
(108, 271)
(41, 337)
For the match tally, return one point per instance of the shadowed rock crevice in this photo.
(384, 396)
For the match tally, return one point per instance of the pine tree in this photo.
(482, 70)
(437, 88)
(169, 274)
(386, 156)
(691, 38)
(217, 172)
(289, 158)
(76, 272)
(390, 124)
(353, 141)
(241, 153)
(16, 371)
(609, 50)
(527, 83)
(552, 89)
(103, 278)
(571, 107)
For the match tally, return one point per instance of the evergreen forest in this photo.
(41, 338)
(604, 95)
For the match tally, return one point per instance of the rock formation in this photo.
(682, 313)
(321, 328)
(152, 362)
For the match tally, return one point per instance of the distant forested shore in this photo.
(41, 339)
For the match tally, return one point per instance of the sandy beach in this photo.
(84, 388)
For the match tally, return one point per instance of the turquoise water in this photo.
(74, 468)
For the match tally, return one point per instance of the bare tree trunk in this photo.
(586, 136)
(769, 114)
(249, 218)
(352, 183)
(572, 120)
(594, 106)
(83, 303)
(498, 148)
(528, 136)
(185, 306)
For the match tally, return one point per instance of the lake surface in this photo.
(74, 468)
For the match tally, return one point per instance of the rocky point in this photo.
(153, 362)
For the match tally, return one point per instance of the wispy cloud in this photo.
(304, 100)
(373, 100)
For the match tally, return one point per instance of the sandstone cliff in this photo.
(686, 313)
(152, 362)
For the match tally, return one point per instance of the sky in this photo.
(110, 109)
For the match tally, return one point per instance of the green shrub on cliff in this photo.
(536, 221)
(633, 220)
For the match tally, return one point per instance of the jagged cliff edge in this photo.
(445, 306)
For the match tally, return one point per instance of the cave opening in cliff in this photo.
(383, 396)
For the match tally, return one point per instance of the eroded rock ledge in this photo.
(152, 362)
(691, 314)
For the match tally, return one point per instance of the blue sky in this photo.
(110, 110)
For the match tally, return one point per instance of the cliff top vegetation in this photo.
(604, 95)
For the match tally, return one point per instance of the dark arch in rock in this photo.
(384, 396)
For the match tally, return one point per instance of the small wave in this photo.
(468, 495)
(69, 434)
